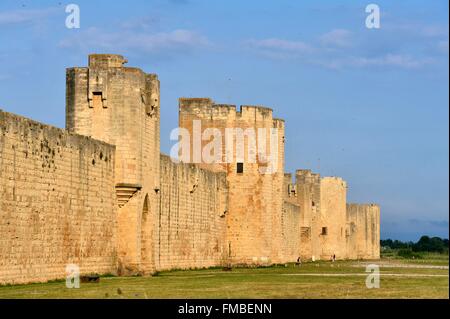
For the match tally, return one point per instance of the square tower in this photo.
(120, 105)
(252, 155)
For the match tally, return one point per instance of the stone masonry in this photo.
(100, 194)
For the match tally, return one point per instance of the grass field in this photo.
(427, 278)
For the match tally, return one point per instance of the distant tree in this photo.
(437, 244)
(386, 243)
(434, 244)
(424, 244)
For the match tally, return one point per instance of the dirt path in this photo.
(397, 265)
(362, 275)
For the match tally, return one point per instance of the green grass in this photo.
(425, 258)
(342, 279)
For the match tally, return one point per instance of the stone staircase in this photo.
(124, 192)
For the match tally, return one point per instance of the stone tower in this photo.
(308, 197)
(363, 231)
(323, 215)
(120, 105)
(101, 195)
(255, 198)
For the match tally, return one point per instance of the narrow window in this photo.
(324, 230)
(240, 168)
(97, 100)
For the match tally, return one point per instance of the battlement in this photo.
(192, 104)
(205, 108)
(256, 109)
(334, 179)
(306, 176)
(104, 61)
(105, 100)
(278, 123)
(303, 172)
(13, 123)
(105, 173)
(363, 205)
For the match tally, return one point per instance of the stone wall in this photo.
(191, 222)
(68, 198)
(363, 231)
(333, 197)
(328, 225)
(308, 198)
(121, 105)
(291, 232)
(255, 199)
(57, 202)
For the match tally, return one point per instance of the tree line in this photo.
(424, 244)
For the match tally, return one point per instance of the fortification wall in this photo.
(308, 198)
(191, 224)
(323, 220)
(118, 105)
(333, 199)
(277, 177)
(66, 198)
(363, 236)
(254, 222)
(290, 231)
(121, 106)
(57, 202)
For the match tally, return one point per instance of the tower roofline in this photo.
(106, 60)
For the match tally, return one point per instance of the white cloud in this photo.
(162, 42)
(398, 60)
(338, 49)
(279, 44)
(337, 38)
(25, 16)
(274, 44)
(279, 49)
(144, 23)
(417, 29)
(433, 31)
(388, 60)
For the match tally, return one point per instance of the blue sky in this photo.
(370, 105)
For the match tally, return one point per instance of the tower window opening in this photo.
(324, 230)
(240, 168)
(97, 99)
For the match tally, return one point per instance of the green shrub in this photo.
(408, 253)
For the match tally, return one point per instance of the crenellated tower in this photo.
(120, 105)
(255, 196)
(101, 195)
